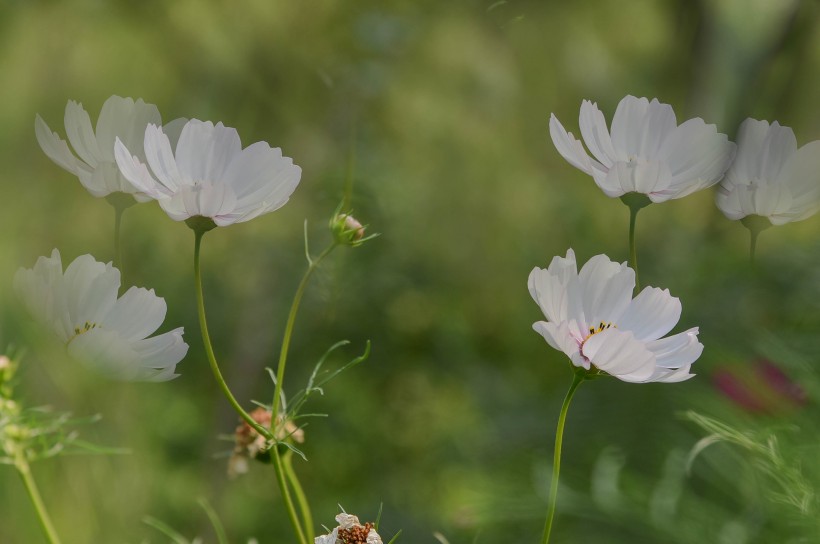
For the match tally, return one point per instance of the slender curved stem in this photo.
(209, 350)
(23, 468)
(556, 463)
(294, 309)
(278, 465)
(754, 233)
(118, 211)
(301, 498)
(633, 252)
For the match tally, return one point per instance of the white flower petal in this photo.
(347, 521)
(54, 147)
(677, 350)
(596, 135)
(650, 178)
(91, 289)
(137, 173)
(606, 289)
(697, 156)
(204, 150)
(160, 157)
(125, 119)
(137, 313)
(618, 353)
(81, 135)
(652, 314)
(561, 337)
(159, 355)
(639, 127)
(568, 147)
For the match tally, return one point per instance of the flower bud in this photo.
(347, 230)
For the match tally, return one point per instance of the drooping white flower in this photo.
(646, 151)
(350, 530)
(94, 162)
(208, 174)
(770, 176)
(592, 317)
(106, 332)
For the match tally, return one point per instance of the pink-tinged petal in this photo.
(606, 289)
(595, 134)
(618, 353)
(137, 173)
(568, 147)
(677, 350)
(561, 338)
(81, 135)
(54, 147)
(651, 315)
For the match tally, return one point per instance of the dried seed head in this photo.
(248, 444)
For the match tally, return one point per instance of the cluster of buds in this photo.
(249, 444)
(350, 531)
(347, 230)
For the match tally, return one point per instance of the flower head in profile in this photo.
(350, 531)
(93, 158)
(646, 151)
(592, 317)
(109, 333)
(771, 177)
(207, 175)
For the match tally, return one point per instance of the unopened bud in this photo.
(347, 230)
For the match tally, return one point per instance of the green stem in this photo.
(633, 252)
(118, 211)
(267, 433)
(24, 470)
(753, 245)
(277, 393)
(556, 463)
(209, 350)
(301, 498)
(294, 309)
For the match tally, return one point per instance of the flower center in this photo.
(601, 327)
(87, 326)
(356, 534)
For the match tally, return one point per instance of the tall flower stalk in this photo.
(24, 470)
(580, 375)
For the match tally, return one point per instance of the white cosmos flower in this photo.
(770, 176)
(94, 160)
(109, 333)
(646, 151)
(592, 317)
(349, 526)
(208, 174)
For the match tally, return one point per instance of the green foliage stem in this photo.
(580, 374)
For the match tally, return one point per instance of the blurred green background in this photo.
(444, 108)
